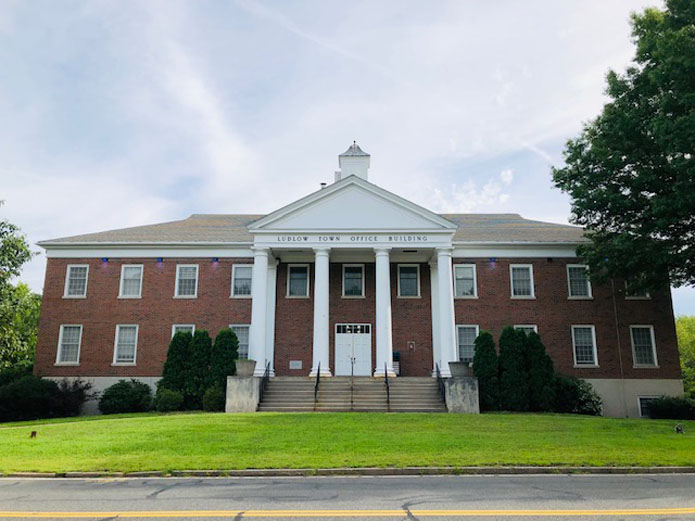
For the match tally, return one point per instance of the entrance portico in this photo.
(354, 221)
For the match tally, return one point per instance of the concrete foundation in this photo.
(462, 394)
(243, 393)
(621, 397)
(99, 383)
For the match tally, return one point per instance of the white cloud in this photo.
(507, 176)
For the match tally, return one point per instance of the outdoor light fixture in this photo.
(159, 259)
(105, 259)
(493, 259)
(215, 259)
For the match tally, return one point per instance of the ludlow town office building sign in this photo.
(349, 259)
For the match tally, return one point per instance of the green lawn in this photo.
(240, 441)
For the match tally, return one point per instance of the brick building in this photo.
(351, 275)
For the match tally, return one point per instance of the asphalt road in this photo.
(641, 497)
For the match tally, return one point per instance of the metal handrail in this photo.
(352, 382)
(440, 382)
(388, 390)
(316, 385)
(264, 381)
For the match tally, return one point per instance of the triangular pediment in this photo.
(352, 204)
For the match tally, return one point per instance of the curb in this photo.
(364, 471)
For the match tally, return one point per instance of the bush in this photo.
(168, 400)
(214, 399)
(29, 398)
(224, 352)
(576, 396)
(514, 385)
(12, 374)
(72, 394)
(486, 369)
(672, 408)
(126, 396)
(177, 367)
(541, 374)
(200, 378)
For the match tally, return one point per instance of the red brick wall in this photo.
(214, 309)
(155, 312)
(554, 313)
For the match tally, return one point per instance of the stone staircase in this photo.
(296, 394)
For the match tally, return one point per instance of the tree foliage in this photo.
(685, 328)
(201, 378)
(541, 374)
(631, 171)
(19, 308)
(177, 367)
(486, 369)
(514, 384)
(225, 351)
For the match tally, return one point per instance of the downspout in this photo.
(620, 351)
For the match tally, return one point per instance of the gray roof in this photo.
(217, 229)
(354, 150)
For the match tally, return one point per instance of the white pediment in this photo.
(352, 204)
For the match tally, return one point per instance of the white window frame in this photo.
(590, 294)
(60, 345)
(234, 268)
(647, 296)
(639, 403)
(511, 282)
(174, 326)
(655, 365)
(142, 276)
(533, 326)
(115, 345)
(458, 332)
(398, 274)
(574, 347)
(197, 275)
(361, 266)
(475, 281)
(249, 328)
(67, 280)
(308, 280)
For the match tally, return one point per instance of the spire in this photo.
(354, 161)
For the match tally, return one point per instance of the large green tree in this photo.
(631, 171)
(18, 306)
(685, 327)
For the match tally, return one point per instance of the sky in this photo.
(121, 113)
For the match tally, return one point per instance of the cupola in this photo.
(354, 161)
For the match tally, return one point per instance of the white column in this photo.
(448, 351)
(434, 288)
(320, 349)
(270, 315)
(384, 340)
(259, 309)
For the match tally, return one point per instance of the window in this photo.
(297, 280)
(635, 294)
(76, 281)
(126, 344)
(644, 403)
(131, 281)
(182, 328)
(466, 342)
(465, 281)
(186, 280)
(584, 342)
(242, 333)
(353, 280)
(527, 328)
(578, 281)
(69, 341)
(643, 346)
(408, 280)
(522, 280)
(241, 280)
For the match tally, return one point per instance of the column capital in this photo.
(322, 250)
(260, 250)
(445, 251)
(382, 250)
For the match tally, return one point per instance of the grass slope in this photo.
(240, 441)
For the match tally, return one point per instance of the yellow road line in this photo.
(150, 514)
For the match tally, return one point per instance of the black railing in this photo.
(388, 389)
(264, 381)
(316, 385)
(352, 382)
(440, 382)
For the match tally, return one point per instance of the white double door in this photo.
(353, 345)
